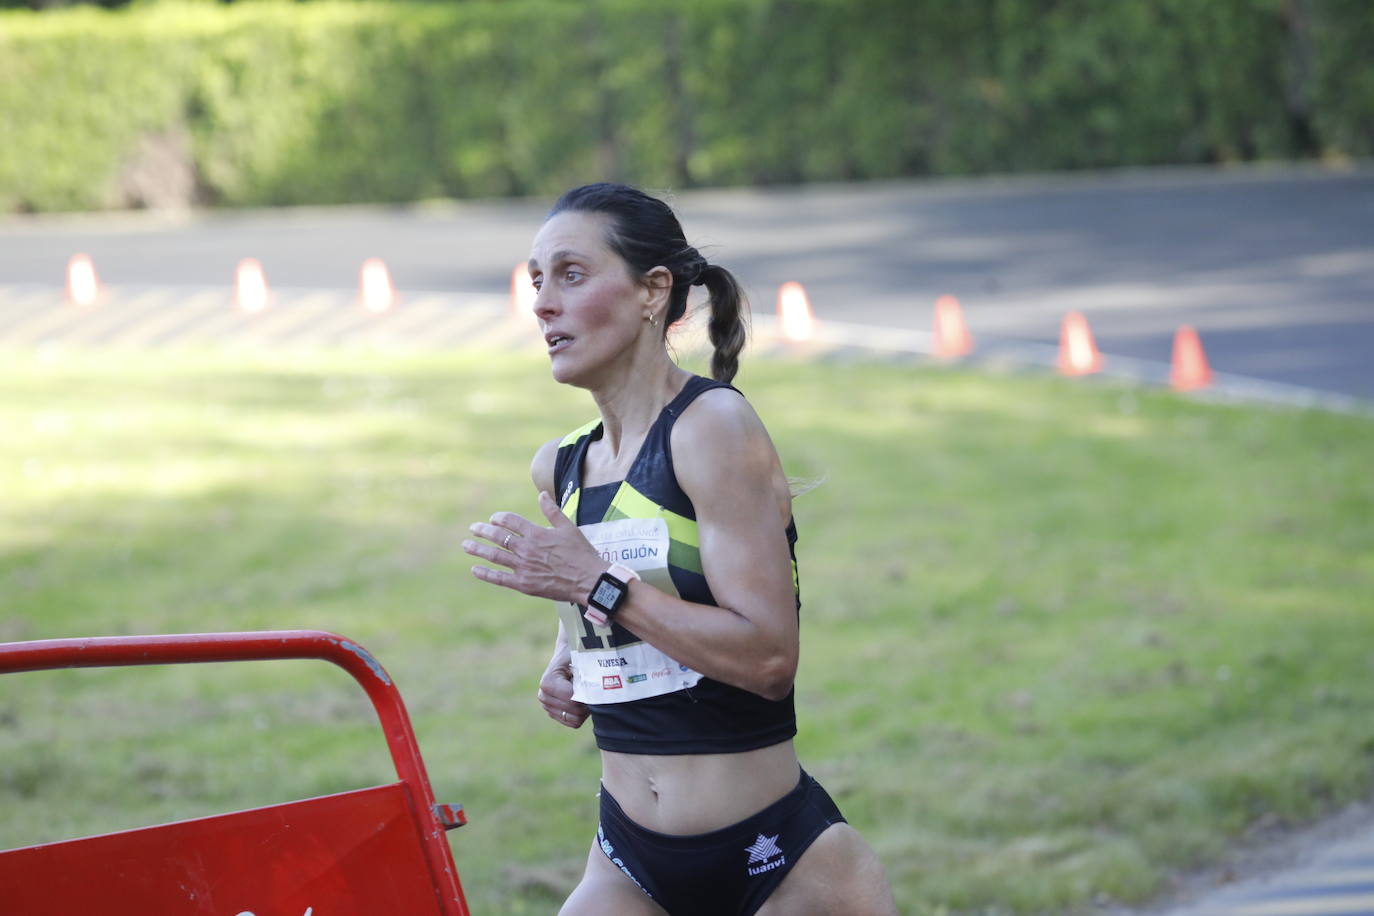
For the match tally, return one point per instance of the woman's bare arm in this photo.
(727, 466)
(555, 685)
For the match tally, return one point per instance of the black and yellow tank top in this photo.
(643, 701)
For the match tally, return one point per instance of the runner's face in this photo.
(589, 306)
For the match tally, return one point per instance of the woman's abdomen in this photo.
(685, 794)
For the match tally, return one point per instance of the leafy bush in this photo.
(333, 102)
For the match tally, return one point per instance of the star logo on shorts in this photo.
(764, 848)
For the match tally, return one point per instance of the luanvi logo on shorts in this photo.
(764, 850)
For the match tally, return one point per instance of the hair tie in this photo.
(697, 271)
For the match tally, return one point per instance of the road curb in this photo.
(1007, 354)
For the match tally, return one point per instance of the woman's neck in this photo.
(629, 407)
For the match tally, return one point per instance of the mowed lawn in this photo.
(1060, 639)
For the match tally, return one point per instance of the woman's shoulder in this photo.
(542, 467)
(722, 411)
(721, 430)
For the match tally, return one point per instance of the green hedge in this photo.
(333, 102)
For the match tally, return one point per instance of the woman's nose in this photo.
(545, 302)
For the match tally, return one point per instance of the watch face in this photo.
(606, 594)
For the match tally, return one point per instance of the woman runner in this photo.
(669, 551)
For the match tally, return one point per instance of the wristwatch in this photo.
(609, 594)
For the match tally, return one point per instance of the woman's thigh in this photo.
(606, 889)
(838, 874)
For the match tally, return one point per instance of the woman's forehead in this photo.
(571, 232)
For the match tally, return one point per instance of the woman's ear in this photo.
(658, 287)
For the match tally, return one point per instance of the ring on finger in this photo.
(506, 542)
(565, 715)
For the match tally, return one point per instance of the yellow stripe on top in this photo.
(683, 541)
(635, 504)
(578, 433)
(570, 508)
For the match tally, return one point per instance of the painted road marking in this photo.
(195, 308)
(1361, 904)
(157, 317)
(94, 325)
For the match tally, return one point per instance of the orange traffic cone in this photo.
(83, 286)
(1077, 352)
(1190, 370)
(251, 293)
(951, 334)
(375, 290)
(794, 313)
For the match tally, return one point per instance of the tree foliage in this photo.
(331, 102)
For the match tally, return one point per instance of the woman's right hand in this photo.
(555, 695)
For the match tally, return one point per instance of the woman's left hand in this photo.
(557, 562)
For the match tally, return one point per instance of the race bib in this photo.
(610, 664)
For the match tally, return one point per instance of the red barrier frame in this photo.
(122, 651)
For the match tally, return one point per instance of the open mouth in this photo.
(557, 342)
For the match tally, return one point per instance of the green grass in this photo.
(1060, 638)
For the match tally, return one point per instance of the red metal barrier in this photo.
(376, 850)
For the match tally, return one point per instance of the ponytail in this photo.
(728, 329)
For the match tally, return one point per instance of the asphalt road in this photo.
(1274, 267)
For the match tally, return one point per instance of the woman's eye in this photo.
(536, 282)
(573, 276)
